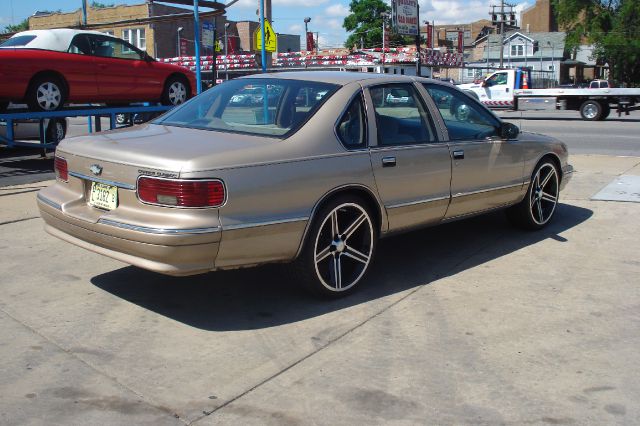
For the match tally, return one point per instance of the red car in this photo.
(47, 68)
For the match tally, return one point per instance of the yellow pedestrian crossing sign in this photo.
(269, 35)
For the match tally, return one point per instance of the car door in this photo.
(411, 165)
(80, 69)
(487, 171)
(116, 68)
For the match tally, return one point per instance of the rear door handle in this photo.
(458, 155)
(388, 161)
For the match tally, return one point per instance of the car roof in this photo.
(335, 77)
(56, 39)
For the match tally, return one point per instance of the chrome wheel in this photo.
(543, 195)
(57, 132)
(343, 247)
(177, 93)
(48, 96)
(590, 111)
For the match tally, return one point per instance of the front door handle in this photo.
(388, 161)
(458, 155)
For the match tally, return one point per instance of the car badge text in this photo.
(96, 169)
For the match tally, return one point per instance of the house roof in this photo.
(550, 43)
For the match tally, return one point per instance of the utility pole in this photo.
(384, 36)
(226, 59)
(419, 59)
(499, 19)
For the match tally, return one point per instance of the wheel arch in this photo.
(547, 156)
(46, 73)
(358, 190)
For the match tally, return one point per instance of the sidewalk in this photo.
(472, 322)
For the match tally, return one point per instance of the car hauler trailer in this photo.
(510, 90)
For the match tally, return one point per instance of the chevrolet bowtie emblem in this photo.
(96, 169)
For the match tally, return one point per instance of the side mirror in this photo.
(509, 131)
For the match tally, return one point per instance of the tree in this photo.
(612, 26)
(98, 5)
(22, 26)
(365, 23)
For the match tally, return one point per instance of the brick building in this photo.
(159, 39)
(539, 18)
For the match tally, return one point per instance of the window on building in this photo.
(136, 37)
(517, 50)
(467, 34)
(452, 36)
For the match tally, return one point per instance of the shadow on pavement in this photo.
(265, 297)
(23, 165)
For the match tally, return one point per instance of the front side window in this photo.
(108, 47)
(498, 79)
(464, 118)
(264, 106)
(351, 128)
(400, 115)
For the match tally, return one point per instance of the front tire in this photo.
(339, 249)
(176, 91)
(46, 93)
(538, 206)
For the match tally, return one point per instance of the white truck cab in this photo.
(496, 91)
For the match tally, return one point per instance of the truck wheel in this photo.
(606, 110)
(56, 130)
(591, 110)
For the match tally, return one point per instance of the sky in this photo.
(326, 15)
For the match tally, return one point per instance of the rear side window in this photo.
(18, 41)
(351, 128)
(400, 115)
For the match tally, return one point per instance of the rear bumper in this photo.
(175, 252)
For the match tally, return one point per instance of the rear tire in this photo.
(46, 93)
(538, 206)
(606, 110)
(176, 91)
(591, 110)
(339, 248)
(3, 106)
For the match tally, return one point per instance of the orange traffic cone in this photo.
(525, 83)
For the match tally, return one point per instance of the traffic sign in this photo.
(208, 28)
(269, 35)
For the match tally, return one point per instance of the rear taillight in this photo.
(181, 193)
(60, 166)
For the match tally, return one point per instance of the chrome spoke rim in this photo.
(339, 266)
(544, 194)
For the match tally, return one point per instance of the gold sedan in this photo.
(312, 168)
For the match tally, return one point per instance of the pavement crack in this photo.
(448, 272)
(9, 222)
(143, 399)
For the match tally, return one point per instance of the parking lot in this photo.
(473, 322)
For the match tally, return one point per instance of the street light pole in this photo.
(226, 59)
(178, 46)
(306, 32)
(384, 32)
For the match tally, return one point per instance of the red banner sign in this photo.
(429, 36)
(460, 41)
(310, 42)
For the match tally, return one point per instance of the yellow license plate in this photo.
(103, 196)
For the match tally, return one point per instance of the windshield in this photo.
(18, 41)
(269, 106)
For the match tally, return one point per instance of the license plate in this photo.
(103, 196)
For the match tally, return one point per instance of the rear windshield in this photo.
(18, 41)
(269, 106)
